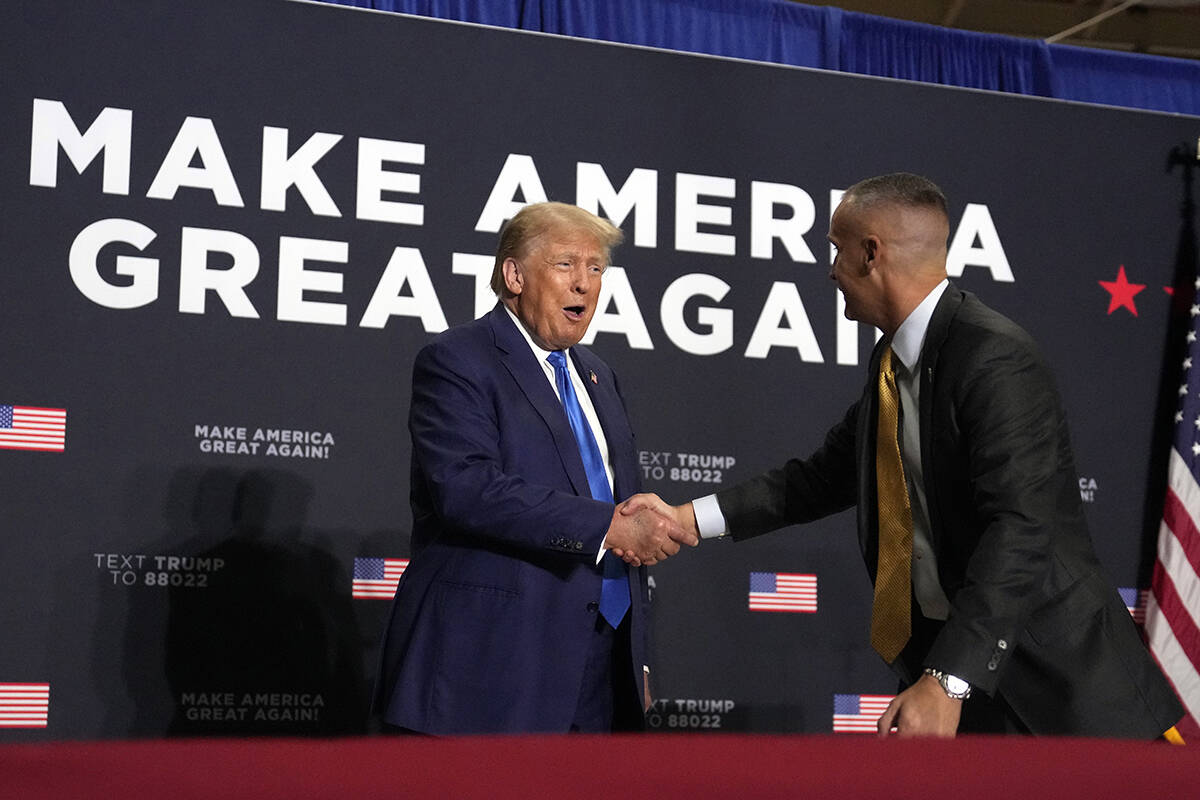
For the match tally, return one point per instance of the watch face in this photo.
(956, 685)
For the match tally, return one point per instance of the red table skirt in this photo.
(616, 767)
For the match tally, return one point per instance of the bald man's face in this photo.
(849, 267)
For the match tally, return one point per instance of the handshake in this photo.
(645, 530)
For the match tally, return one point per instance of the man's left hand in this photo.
(922, 709)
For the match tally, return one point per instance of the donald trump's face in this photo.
(556, 285)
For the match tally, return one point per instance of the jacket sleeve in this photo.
(800, 490)
(1013, 437)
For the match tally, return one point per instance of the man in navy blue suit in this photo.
(512, 616)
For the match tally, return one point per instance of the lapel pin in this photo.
(592, 375)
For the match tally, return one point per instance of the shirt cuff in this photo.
(709, 519)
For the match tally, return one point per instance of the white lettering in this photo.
(144, 271)
(196, 137)
(690, 213)
(719, 321)
(639, 193)
(195, 277)
(294, 280)
(280, 171)
(110, 133)
(765, 227)
(374, 180)
(625, 319)
(481, 267)
(976, 223)
(405, 267)
(518, 174)
(784, 303)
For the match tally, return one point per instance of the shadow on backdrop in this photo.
(270, 644)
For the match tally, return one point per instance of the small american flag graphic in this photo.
(1135, 601)
(377, 578)
(858, 713)
(29, 428)
(24, 705)
(783, 591)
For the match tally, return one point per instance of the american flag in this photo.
(24, 705)
(1173, 607)
(783, 591)
(1135, 601)
(377, 577)
(28, 428)
(858, 713)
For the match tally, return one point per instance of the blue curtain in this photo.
(828, 38)
(1126, 79)
(762, 30)
(895, 49)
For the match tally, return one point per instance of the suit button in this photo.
(593, 607)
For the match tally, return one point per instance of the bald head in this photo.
(907, 212)
(891, 234)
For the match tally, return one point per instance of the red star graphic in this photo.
(1122, 292)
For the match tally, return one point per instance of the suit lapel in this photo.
(868, 417)
(935, 337)
(529, 376)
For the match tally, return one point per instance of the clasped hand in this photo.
(645, 530)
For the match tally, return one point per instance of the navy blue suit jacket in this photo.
(493, 618)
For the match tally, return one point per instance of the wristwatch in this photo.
(954, 687)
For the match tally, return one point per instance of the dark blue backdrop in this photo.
(181, 568)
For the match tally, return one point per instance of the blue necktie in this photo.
(614, 590)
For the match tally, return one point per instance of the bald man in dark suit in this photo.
(990, 604)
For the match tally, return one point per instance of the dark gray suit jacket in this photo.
(1032, 616)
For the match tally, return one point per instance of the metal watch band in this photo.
(944, 680)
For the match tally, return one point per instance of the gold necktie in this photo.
(891, 622)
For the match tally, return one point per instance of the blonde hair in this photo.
(537, 219)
